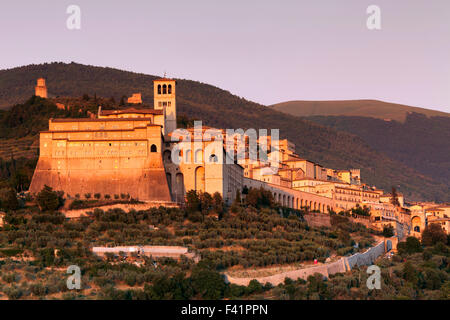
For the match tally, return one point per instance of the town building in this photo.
(136, 98)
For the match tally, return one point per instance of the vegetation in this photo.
(388, 231)
(39, 243)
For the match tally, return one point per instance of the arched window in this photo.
(159, 89)
(198, 157)
(213, 158)
(179, 190)
(153, 148)
(164, 89)
(169, 89)
(188, 156)
(200, 179)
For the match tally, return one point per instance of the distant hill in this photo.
(219, 108)
(354, 108)
(421, 142)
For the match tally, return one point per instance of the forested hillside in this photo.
(421, 142)
(217, 107)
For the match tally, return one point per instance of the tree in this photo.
(238, 197)
(237, 202)
(388, 231)
(259, 198)
(208, 283)
(411, 245)
(48, 199)
(193, 203)
(410, 273)
(218, 204)
(206, 202)
(394, 197)
(8, 199)
(433, 234)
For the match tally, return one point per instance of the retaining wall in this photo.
(342, 265)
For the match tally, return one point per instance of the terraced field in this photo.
(24, 147)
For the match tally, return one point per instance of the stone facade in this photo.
(41, 88)
(106, 156)
(136, 98)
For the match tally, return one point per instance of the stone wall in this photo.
(155, 251)
(77, 213)
(317, 219)
(342, 265)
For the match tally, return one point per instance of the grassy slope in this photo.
(357, 108)
(219, 108)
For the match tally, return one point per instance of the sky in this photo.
(264, 51)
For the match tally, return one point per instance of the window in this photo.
(164, 89)
(159, 89)
(169, 91)
(153, 148)
(213, 158)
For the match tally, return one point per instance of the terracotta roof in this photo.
(131, 110)
(164, 79)
(298, 159)
(98, 120)
(96, 130)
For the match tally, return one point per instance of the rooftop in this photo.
(131, 110)
(98, 120)
(164, 79)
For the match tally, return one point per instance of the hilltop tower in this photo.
(41, 89)
(136, 98)
(165, 99)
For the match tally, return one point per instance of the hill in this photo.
(354, 108)
(421, 142)
(327, 146)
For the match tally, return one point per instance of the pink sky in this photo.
(265, 51)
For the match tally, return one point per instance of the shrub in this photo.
(254, 287)
(411, 245)
(388, 231)
(8, 199)
(208, 283)
(48, 199)
(433, 234)
(38, 289)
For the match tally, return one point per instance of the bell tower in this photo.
(165, 99)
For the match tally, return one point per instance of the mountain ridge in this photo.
(356, 108)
